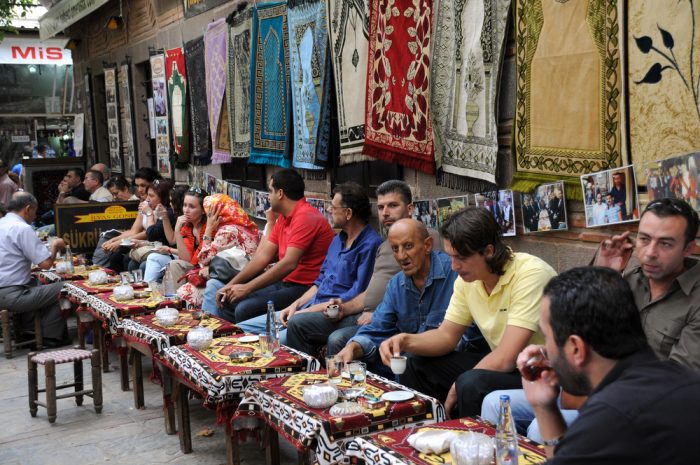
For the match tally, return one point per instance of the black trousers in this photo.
(434, 376)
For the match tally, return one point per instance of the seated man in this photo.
(19, 292)
(345, 272)
(7, 185)
(394, 201)
(300, 238)
(666, 289)
(641, 410)
(93, 184)
(415, 299)
(72, 189)
(500, 291)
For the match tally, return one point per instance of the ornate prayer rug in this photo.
(238, 90)
(176, 77)
(348, 30)
(569, 103)
(663, 79)
(398, 128)
(269, 81)
(196, 82)
(467, 57)
(308, 49)
(215, 68)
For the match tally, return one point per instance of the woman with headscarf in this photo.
(227, 226)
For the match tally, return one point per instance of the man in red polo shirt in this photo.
(300, 238)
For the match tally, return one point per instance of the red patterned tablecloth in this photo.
(146, 330)
(280, 402)
(393, 449)
(218, 379)
(80, 272)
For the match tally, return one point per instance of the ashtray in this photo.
(241, 356)
(141, 294)
(200, 315)
(371, 403)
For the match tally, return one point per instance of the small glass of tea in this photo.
(535, 365)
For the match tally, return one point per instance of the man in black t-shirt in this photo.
(72, 186)
(640, 410)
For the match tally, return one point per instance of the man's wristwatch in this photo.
(550, 442)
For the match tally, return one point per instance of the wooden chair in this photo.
(11, 333)
(57, 357)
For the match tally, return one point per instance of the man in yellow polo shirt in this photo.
(500, 291)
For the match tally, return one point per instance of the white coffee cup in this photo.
(332, 311)
(398, 364)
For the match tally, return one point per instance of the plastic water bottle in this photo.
(506, 436)
(168, 283)
(69, 260)
(271, 328)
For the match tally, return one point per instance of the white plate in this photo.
(397, 396)
(249, 339)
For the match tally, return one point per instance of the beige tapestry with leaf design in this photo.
(664, 79)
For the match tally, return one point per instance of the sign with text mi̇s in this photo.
(25, 51)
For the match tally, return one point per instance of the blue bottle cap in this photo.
(505, 397)
(270, 302)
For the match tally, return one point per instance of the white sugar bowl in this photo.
(320, 395)
(472, 448)
(97, 277)
(123, 292)
(200, 337)
(167, 316)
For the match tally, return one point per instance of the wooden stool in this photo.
(9, 327)
(50, 360)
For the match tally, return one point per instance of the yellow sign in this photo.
(114, 212)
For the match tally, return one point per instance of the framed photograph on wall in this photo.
(545, 209)
(610, 197)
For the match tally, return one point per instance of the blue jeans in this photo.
(154, 267)
(257, 326)
(524, 417)
(280, 293)
(209, 302)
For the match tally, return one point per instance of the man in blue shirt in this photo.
(415, 299)
(348, 266)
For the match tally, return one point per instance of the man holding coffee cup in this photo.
(415, 299)
(500, 291)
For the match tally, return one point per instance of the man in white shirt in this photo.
(19, 291)
(93, 184)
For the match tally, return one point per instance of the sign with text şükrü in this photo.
(80, 224)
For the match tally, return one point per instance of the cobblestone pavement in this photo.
(120, 435)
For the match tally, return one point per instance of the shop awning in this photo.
(65, 13)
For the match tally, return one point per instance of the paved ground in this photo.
(121, 434)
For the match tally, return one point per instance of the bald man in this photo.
(415, 299)
(102, 168)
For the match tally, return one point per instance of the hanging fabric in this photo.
(398, 128)
(196, 82)
(215, 69)
(569, 100)
(177, 96)
(269, 82)
(308, 51)
(348, 31)
(468, 51)
(238, 81)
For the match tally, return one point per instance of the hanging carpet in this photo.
(398, 128)
(348, 30)
(308, 49)
(176, 79)
(569, 100)
(215, 69)
(238, 90)
(467, 57)
(197, 86)
(269, 81)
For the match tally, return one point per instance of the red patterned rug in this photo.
(398, 128)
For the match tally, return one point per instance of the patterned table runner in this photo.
(393, 448)
(280, 402)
